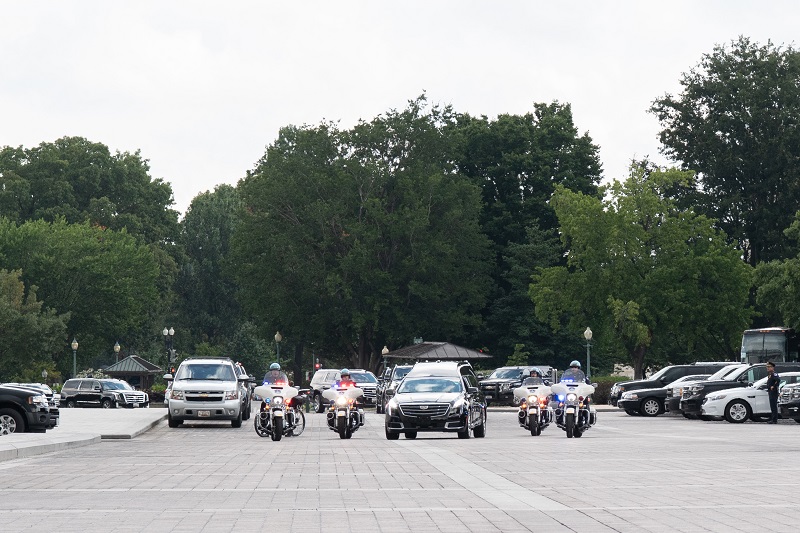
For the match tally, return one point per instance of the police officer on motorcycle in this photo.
(274, 375)
(574, 373)
(535, 378)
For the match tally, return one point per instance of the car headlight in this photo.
(231, 394)
(796, 393)
(717, 397)
(459, 403)
(176, 394)
(391, 406)
(571, 397)
(41, 399)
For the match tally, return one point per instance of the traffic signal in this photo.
(317, 366)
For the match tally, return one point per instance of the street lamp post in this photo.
(168, 334)
(116, 351)
(588, 336)
(278, 339)
(383, 353)
(74, 354)
(44, 376)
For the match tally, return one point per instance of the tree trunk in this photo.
(637, 355)
(297, 366)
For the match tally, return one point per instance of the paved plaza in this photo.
(627, 474)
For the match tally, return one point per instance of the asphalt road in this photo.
(627, 474)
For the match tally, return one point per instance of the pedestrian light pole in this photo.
(383, 353)
(116, 351)
(168, 334)
(278, 339)
(588, 336)
(74, 356)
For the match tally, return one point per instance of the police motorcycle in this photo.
(343, 415)
(280, 414)
(574, 414)
(535, 412)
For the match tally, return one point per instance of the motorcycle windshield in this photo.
(573, 375)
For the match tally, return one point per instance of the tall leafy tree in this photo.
(359, 238)
(105, 280)
(648, 275)
(31, 333)
(518, 161)
(736, 123)
(778, 285)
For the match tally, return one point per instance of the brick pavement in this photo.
(628, 474)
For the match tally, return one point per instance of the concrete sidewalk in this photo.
(81, 427)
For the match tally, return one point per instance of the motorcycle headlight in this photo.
(341, 401)
(571, 397)
(532, 399)
(277, 400)
(231, 394)
(176, 395)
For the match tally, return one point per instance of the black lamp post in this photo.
(168, 334)
(278, 339)
(74, 355)
(588, 336)
(116, 351)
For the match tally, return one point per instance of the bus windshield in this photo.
(769, 344)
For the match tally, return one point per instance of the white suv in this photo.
(205, 389)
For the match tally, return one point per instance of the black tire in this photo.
(319, 405)
(173, 423)
(796, 420)
(578, 433)
(390, 435)
(237, 422)
(631, 412)
(690, 416)
(379, 409)
(341, 426)
(533, 425)
(70, 403)
(738, 411)
(411, 435)
(650, 407)
(106, 403)
(277, 429)
(464, 434)
(11, 422)
(570, 425)
(480, 431)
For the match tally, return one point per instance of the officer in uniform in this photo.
(773, 389)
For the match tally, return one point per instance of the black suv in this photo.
(438, 396)
(499, 387)
(693, 397)
(106, 393)
(23, 410)
(663, 377)
(789, 402)
(388, 384)
(53, 399)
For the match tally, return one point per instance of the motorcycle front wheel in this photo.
(277, 428)
(533, 425)
(570, 425)
(341, 426)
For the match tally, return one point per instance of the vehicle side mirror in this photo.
(244, 378)
(481, 376)
(594, 385)
(168, 377)
(472, 390)
(749, 383)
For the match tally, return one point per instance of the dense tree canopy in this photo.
(647, 275)
(737, 123)
(359, 238)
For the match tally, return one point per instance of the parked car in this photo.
(106, 393)
(53, 399)
(205, 389)
(323, 379)
(499, 386)
(692, 399)
(672, 403)
(666, 375)
(743, 403)
(387, 385)
(650, 402)
(437, 396)
(23, 410)
(789, 402)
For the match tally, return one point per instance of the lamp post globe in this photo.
(116, 350)
(44, 376)
(74, 346)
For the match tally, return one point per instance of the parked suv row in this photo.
(106, 393)
(666, 375)
(23, 410)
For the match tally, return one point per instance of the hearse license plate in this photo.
(204, 414)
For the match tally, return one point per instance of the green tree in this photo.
(30, 332)
(105, 280)
(520, 357)
(736, 124)
(517, 161)
(360, 238)
(778, 285)
(205, 288)
(646, 274)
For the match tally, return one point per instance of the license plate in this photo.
(204, 414)
(341, 413)
(136, 405)
(277, 413)
(488, 396)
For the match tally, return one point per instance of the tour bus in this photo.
(769, 344)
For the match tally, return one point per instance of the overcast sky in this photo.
(201, 88)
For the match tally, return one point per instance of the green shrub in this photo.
(604, 384)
